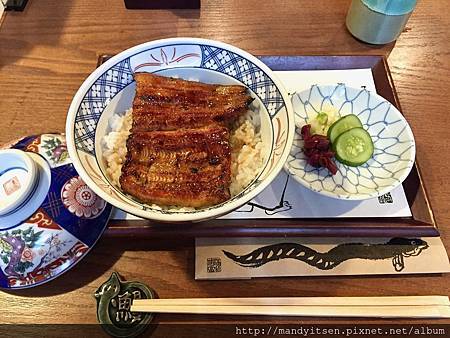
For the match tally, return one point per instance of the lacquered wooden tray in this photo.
(420, 224)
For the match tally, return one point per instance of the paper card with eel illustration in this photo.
(264, 257)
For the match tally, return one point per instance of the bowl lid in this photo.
(49, 218)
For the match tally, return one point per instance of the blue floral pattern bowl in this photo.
(110, 90)
(57, 226)
(393, 140)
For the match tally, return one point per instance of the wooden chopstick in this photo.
(385, 307)
(303, 301)
(425, 311)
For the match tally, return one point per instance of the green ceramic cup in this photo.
(378, 21)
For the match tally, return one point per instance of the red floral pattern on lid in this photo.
(80, 200)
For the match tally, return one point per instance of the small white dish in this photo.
(40, 183)
(391, 134)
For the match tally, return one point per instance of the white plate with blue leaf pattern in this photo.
(392, 137)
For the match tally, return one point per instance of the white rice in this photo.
(246, 155)
(115, 144)
(246, 151)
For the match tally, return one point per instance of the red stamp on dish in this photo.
(11, 186)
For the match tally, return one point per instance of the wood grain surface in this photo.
(50, 48)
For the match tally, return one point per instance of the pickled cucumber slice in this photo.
(342, 125)
(353, 147)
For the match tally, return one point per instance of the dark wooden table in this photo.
(50, 48)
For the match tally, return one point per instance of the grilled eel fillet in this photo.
(186, 167)
(163, 103)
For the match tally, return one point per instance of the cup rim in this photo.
(27, 185)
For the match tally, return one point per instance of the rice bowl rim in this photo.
(141, 209)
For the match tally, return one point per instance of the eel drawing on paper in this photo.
(396, 249)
